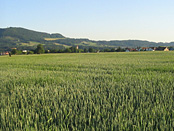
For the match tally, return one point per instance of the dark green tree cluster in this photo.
(119, 49)
(40, 49)
(19, 52)
(72, 50)
(75, 50)
(16, 52)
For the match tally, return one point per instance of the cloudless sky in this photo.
(151, 20)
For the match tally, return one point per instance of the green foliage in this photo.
(91, 49)
(91, 91)
(119, 49)
(31, 52)
(40, 49)
(112, 50)
(14, 52)
(19, 52)
(67, 50)
(106, 50)
(85, 50)
(74, 50)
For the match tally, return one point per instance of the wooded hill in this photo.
(21, 38)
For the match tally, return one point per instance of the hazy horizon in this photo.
(93, 19)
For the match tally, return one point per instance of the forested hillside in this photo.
(24, 39)
(21, 38)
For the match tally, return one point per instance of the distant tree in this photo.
(85, 50)
(119, 49)
(91, 49)
(54, 51)
(19, 52)
(101, 50)
(107, 50)
(14, 52)
(47, 51)
(40, 49)
(112, 50)
(80, 50)
(67, 50)
(30, 52)
(73, 49)
(60, 51)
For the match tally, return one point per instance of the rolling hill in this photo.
(22, 38)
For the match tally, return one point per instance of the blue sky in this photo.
(151, 20)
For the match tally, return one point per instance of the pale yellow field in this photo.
(51, 39)
(66, 46)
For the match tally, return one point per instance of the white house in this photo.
(24, 51)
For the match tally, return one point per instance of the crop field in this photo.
(66, 46)
(92, 91)
(51, 39)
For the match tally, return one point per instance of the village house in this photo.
(24, 51)
(143, 49)
(147, 49)
(162, 49)
(152, 48)
(130, 49)
(77, 47)
(4, 53)
(127, 49)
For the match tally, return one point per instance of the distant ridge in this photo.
(22, 38)
(26, 34)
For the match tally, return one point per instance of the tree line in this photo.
(40, 50)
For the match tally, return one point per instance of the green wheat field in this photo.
(92, 91)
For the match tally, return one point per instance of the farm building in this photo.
(147, 49)
(162, 49)
(143, 49)
(4, 53)
(130, 49)
(24, 51)
(77, 47)
(152, 48)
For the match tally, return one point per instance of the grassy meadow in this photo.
(92, 91)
